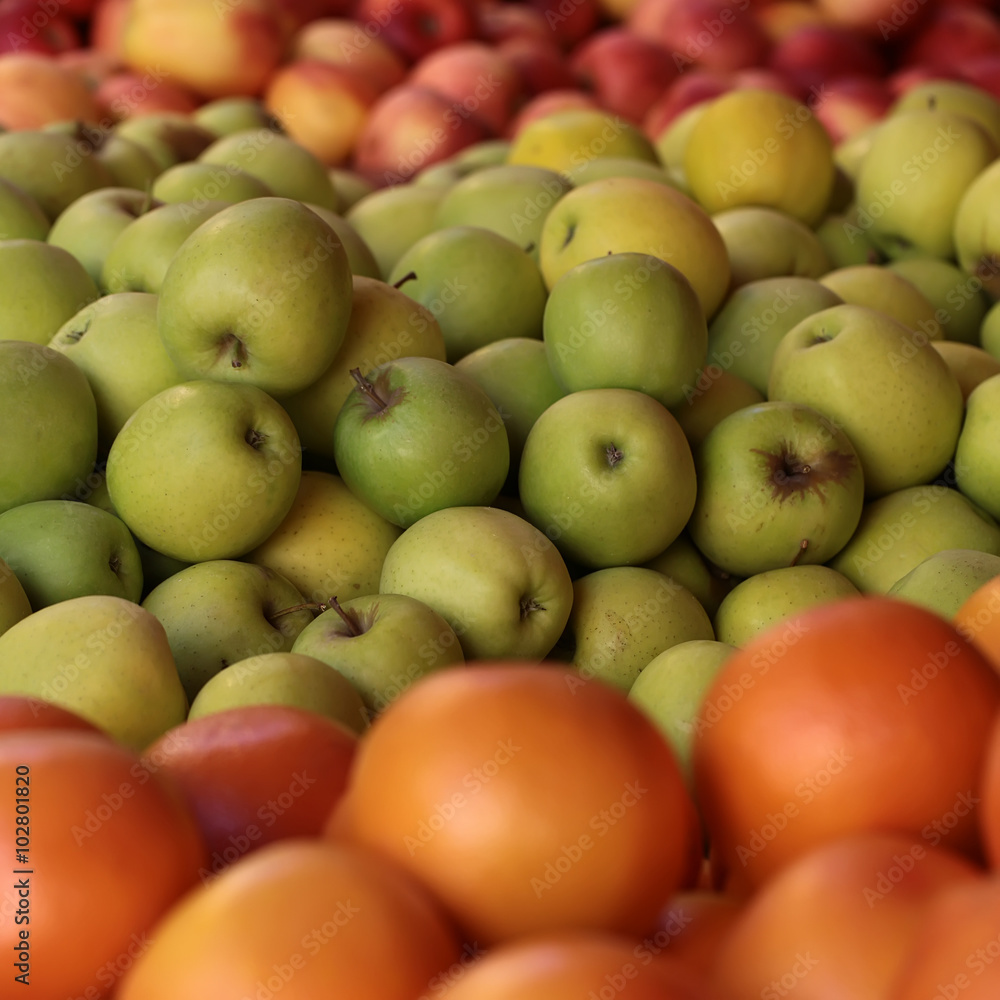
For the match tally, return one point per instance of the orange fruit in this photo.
(21, 711)
(104, 850)
(868, 713)
(301, 919)
(978, 619)
(527, 799)
(837, 922)
(256, 774)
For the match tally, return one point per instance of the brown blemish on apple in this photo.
(570, 233)
(378, 394)
(76, 335)
(791, 476)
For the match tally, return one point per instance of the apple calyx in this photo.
(254, 438)
(791, 476)
(528, 605)
(409, 276)
(232, 345)
(614, 454)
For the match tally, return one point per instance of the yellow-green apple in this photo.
(222, 51)
(608, 475)
(260, 294)
(712, 396)
(21, 217)
(622, 214)
(89, 226)
(282, 679)
(382, 643)
(194, 180)
(511, 200)
(415, 27)
(977, 462)
(977, 229)
(958, 96)
(409, 128)
(778, 484)
(550, 100)
(746, 331)
(322, 106)
(64, 548)
(416, 435)
(565, 141)
(221, 611)
(116, 343)
(103, 657)
(625, 321)
(14, 604)
(225, 115)
(913, 177)
(138, 259)
(390, 220)
(876, 286)
(959, 301)
(671, 687)
(129, 164)
(287, 168)
(622, 617)
(488, 153)
(341, 41)
(682, 561)
(906, 429)
(481, 286)
(514, 372)
(330, 543)
(945, 579)
(769, 243)
(384, 325)
(35, 90)
(968, 363)
(41, 287)
(205, 470)
(168, 136)
(845, 241)
(621, 166)
(767, 598)
(360, 258)
(900, 530)
(758, 147)
(48, 412)
(350, 186)
(496, 579)
(671, 140)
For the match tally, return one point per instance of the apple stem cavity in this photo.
(410, 276)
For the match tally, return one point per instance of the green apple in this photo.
(977, 229)
(221, 611)
(497, 580)
(959, 301)
(899, 531)
(671, 143)
(194, 181)
(350, 186)
(682, 561)
(760, 147)
(14, 603)
(876, 286)
(287, 168)
(847, 242)
(882, 384)
(390, 220)
(850, 152)
(170, 137)
(205, 470)
(608, 475)
(116, 343)
(49, 416)
(444, 173)
(21, 217)
(623, 616)
(621, 166)
(514, 372)
(225, 115)
(130, 164)
(63, 548)
(977, 457)
(283, 679)
(260, 294)
(945, 579)
(778, 484)
(330, 543)
(622, 214)
(625, 321)
(41, 286)
(768, 243)
(767, 598)
(49, 168)
(670, 690)
(713, 396)
(989, 331)
(954, 96)
(360, 258)
(567, 141)
(89, 226)
(508, 199)
(138, 259)
(479, 285)
(384, 324)
(416, 435)
(381, 643)
(485, 153)
(746, 331)
(969, 364)
(103, 657)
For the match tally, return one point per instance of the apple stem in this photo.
(368, 388)
(348, 619)
(803, 545)
(412, 276)
(308, 606)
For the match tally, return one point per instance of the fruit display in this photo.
(500, 498)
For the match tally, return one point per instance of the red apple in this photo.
(107, 26)
(342, 41)
(782, 17)
(409, 128)
(35, 90)
(570, 21)
(688, 89)
(297, 13)
(817, 54)
(415, 27)
(625, 72)
(36, 26)
(952, 37)
(851, 104)
(541, 64)
(476, 78)
(499, 21)
(985, 74)
(135, 94)
(884, 19)
(549, 103)
(903, 79)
